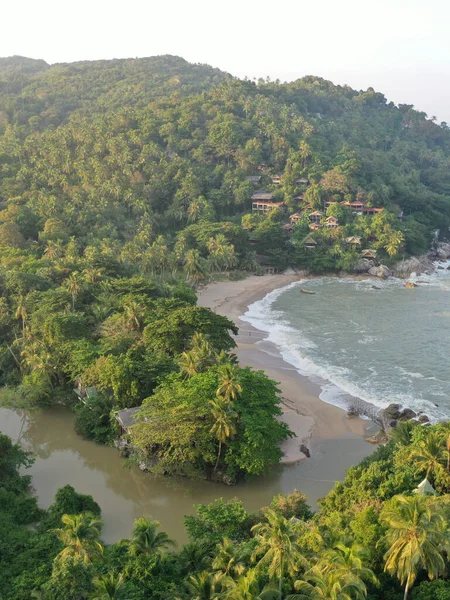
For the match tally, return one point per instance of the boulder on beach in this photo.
(421, 265)
(363, 265)
(410, 285)
(382, 271)
(443, 251)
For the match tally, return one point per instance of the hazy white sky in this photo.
(399, 47)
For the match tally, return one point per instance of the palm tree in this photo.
(417, 536)
(351, 560)
(73, 286)
(248, 587)
(189, 363)
(228, 561)
(224, 426)
(193, 267)
(430, 454)
(80, 536)
(203, 586)
(195, 555)
(21, 312)
(147, 539)
(277, 542)
(92, 275)
(402, 433)
(326, 581)
(229, 386)
(107, 587)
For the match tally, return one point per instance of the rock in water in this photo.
(424, 419)
(410, 285)
(382, 271)
(392, 412)
(407, 414)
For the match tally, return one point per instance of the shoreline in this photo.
(307, 415)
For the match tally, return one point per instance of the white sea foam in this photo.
(338, 384)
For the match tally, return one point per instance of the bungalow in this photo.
(255, 179)
(287, 227)
(309, 242)
(370, 254)
(276, 179)
(331, 223)
(316, 216)
(329, 203)
(369, 210)
(295, 218)
(302, 181)
(299, 198)
(314, 226)
(353, 240)
(359, 208)
(263, 202)
(263, 262)
(126, 418)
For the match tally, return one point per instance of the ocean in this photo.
(367, 342)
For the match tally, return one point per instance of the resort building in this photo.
(331, 223)
(255, 179)
(276, 179)
(302, 181)
(263, 203)
(360, 209)
(309, 242)
(314, 226)
(295, 218)
(316, 216)
(370, 254)
(329, 203)
(353, 240)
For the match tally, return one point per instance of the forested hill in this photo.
(120, 152)
(32, 88)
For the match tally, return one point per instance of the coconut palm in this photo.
(228, 560)
(194, 267)
(72, 285)
(195, 555)
(277, 543)
(326, 581)
(147, 539)
(229, 386)
(21, 312)
(203, 586)
(107, 587)
(351, 559)
(402, 433)
(430, 454)
(224, 426)
(248, 587)
(417, 535)
(80, 536)
(189, 363)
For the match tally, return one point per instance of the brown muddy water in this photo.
(62, 457)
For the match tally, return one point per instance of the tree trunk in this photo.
(218, 456)
(406, 590)
(280, 585)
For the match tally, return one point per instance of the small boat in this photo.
(302, 291)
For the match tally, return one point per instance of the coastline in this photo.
(307, 415)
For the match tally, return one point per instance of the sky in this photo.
(399, 47)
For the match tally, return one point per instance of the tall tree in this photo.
(80, 535)
(417, 537)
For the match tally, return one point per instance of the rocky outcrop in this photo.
(410, 285)
(381, 271)
(442, 251)
(421, 265)
(363, 265)
(406, 415)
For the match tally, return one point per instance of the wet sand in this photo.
(307, 415)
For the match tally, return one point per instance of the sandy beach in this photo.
(307, 415)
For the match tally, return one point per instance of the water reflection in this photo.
(126, 493)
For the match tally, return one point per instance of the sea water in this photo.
(372, 341)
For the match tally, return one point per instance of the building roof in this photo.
(262, 197)
(127, 417)
(317, 213)
(367, 253)
(331, 219)
(295, 216)
(253, 178)
(314, 226)
(309, 240)
(353, 239)
(425, 487)
(301, 180)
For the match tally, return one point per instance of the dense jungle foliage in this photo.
(124, 184)
(373, 537)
